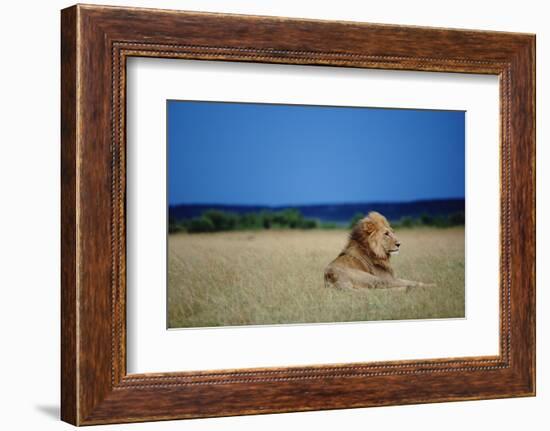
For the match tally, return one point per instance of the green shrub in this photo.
(426, 219)
(201, 224)
(250, 221)
(309, 224)
(221, 220)
(328, 225)
(291, 218)
(441, 221)
(456, 219)
(406, 222)
(175, 226)
(266, 218)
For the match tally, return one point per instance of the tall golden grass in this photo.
(276, 277)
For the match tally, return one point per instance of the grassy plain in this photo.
(276, 277)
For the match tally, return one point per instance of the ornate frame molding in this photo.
(96, 41)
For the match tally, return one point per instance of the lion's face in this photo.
(388, 241)
(375, 232)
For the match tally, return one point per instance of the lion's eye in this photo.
(388, 232)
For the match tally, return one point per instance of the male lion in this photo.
(365, 261)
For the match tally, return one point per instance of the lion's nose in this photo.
(398, 244)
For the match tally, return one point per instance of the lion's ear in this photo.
(369, 226)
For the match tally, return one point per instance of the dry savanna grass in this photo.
(276, 277)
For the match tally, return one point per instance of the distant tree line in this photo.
(221, 221)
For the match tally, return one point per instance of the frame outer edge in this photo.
(69, 411)
(532, 99)
(533, 54)
(531, 83)
(87, 397)
(523, 179)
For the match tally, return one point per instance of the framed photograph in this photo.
(263, 214)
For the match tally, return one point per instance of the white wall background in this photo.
(29, 224)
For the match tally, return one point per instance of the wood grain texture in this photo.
(69, 366)
(96, 41)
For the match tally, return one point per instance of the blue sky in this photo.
(265, 154)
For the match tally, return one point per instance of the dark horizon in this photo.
(315, 204)
(339, 213)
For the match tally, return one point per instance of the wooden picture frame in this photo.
(95, 43)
